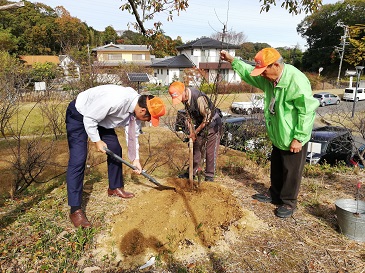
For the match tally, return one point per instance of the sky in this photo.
(202, 18)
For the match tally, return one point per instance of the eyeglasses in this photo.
(272, 106)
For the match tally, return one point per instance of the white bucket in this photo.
(351, 218)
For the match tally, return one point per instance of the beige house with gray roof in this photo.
(116, 54)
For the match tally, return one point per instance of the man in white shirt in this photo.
(94, 114)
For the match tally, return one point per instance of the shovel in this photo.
(121, 160)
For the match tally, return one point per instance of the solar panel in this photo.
(138, 77)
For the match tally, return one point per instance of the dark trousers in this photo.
(212, 139)
(286, 175)
(77, 142)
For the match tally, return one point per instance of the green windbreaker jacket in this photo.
(294, 104)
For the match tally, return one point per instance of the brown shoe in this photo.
(78, 218)
(120, 193)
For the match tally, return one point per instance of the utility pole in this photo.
(341, 51)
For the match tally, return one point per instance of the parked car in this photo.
(349, 94)
(330, 144)
(255, 105)
(236, 130)
(326, 98)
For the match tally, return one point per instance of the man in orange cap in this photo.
(204, 128)
(289, 115)
(94, 114)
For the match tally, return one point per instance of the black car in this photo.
(330, 144)
(236, 130)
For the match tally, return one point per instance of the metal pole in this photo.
(358, 72)
(339, 68)
(343, 43)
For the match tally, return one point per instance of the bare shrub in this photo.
(53, 109)
(29, 162)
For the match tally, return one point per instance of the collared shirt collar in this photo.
(133, 104)
(278, 79)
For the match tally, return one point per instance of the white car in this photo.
(350, 94)
(326, 98)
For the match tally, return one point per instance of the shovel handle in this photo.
(118, 158)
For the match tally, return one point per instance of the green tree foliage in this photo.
(44, 71)
(356, 55)
(109, 35)
(162, 45)
(8, 42)
(41, 30)
(34, 27)
(291, 55)
(323, 30)
(71, 32)
(132, 38)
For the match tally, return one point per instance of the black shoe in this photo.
(284, 211)
(184, 175)
(209, 179)
(262, 197)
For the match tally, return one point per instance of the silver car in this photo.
(326, 98)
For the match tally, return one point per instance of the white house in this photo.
(201, 57)
(71, 69)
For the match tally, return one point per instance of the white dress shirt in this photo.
(109, 106)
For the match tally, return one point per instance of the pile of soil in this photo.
(186, 222)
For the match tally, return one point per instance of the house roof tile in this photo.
(121, 47)
(180, 61)
(207, 43)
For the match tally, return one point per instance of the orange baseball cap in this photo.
(176, 90)
(263, 59)
(157, 109)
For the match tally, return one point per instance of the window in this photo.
(118, 57)
(224, 74)
(138, 57)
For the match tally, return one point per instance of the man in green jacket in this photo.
(289, 112)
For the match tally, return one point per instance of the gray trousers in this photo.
(286, 175)
(210, 151)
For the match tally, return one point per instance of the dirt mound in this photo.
(181, 222)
